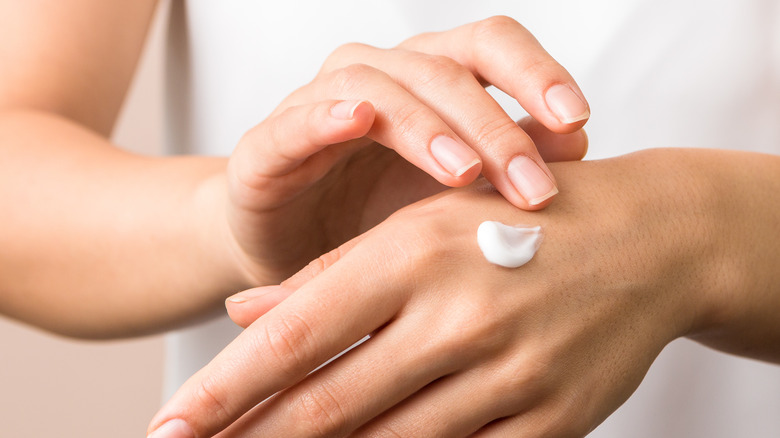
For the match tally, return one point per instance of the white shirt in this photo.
(657, 73)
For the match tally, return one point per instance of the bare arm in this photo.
(102, 243)
(84, 226)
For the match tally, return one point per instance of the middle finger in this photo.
(510, 159)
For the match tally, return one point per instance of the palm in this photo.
(356, 194)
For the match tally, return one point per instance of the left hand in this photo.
(319, 170)
(460, 346)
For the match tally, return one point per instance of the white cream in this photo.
(508, 246)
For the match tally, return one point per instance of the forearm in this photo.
(744, 191)
(98, 242)
(705, 227)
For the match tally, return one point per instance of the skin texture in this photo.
(82, 219)
(216, 226)
(689, 248)
(289, 188)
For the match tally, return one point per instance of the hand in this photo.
(313, 176)
(459, 346)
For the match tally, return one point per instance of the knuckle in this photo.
(314, 268)
(329, 258)
(542, 66)
(429, 239)
(491, 130)
(407, 118)
(214, 402)
(416, 41)
(342, 54)
(519, 379)
(354, 77)
(426, 246)
(409, 254)
(433, 69)
(271, 141)
(347, 49)
(245, 182)
(276, 136)
(476, 324)
(492, 26)
(288, 343)
(322, 411)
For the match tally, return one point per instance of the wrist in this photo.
(657, 208)
(222, 255)
(698, 214)
(744, 278)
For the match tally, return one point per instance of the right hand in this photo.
(311, 177)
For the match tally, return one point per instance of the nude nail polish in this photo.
(454, 156)
(176, 428)
(567, 106)
(345, 110)
(530, 180)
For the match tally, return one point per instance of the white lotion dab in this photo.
(508, 246)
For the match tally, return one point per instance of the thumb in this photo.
(289, 151)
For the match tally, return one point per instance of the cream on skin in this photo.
(508, 246)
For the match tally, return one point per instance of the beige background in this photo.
(55, 387)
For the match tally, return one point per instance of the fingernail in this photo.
(345, 110)
(530, 180)
(454, 156)
(567, 106)
(238, 299)
(173, 429)
(249, 294)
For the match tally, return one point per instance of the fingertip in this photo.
(531, 181)
(344, 109)
(460, 163)
(534, 204)
(353, 110)
(246, 307)
(353, 119)
(238, 314)
(568, 106)
(583, 144)
(542, 201)
(465, 177)
(176, 428)
(554, 146)
(364, 111)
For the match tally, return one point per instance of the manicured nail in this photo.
(238, 299)
(567, 106)
(243, 297)
(530, 180)
(345, 110)
(454, 156)
(173, 429)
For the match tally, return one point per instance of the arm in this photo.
(81, 217)
(97, 242)
(639, 250)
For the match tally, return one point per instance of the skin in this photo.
(216, 225)
(689, 248)
(208, 222)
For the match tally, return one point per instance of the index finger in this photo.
(323, 318)
(501, 52)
